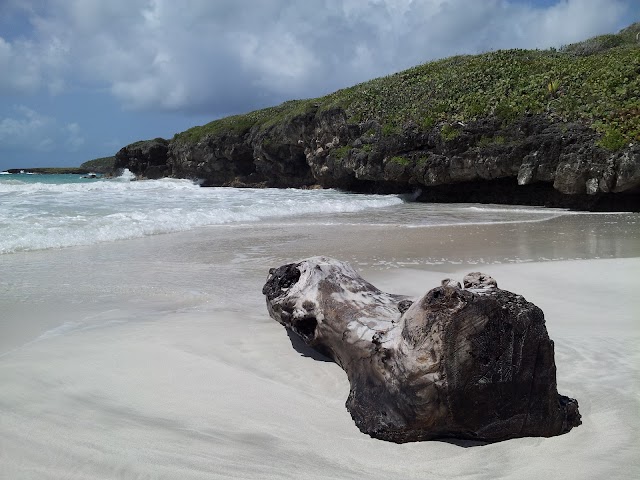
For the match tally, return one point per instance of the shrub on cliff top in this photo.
(241, 124)
(449, 133)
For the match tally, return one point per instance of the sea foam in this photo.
(38, 215)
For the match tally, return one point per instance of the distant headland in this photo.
(51, 170)
(104, 165)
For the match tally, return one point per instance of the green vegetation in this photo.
(449, 133)
(341, 152)
(400, 160)
(143, 143)
(390, 129)
(553, 87)
(613, 140)
(367, 147)
(601, 43)
(240, 124)
(99, 165)
(596, 82)
(486, 141)
(427, 122)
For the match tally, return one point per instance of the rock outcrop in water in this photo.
(147, 158)
(471, 363)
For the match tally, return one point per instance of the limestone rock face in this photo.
(471, 363)
(534, 160)
(626, 170)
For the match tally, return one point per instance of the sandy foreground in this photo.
(156, 358)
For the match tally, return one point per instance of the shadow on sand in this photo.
(303, 349)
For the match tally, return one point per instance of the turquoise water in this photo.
(8, 178)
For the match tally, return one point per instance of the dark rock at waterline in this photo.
(254, 158)
(470, 363)
(146, 158)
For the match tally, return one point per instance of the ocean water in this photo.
(52, 211)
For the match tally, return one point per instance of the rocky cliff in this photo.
(487, 128)
(533, 160)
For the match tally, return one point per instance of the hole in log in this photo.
(306, 327)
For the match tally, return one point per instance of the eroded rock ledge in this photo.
(472, 362)
(535, 160)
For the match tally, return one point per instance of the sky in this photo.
(79, 79)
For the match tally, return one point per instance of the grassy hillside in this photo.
(596, 81)
(99, 165)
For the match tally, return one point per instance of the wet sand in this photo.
(155, 358)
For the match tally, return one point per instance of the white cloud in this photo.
(230, 55)
(33, 62)
(31, 131)
(74, 140)
(277, 60)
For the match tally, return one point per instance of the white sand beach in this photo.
(156, 358)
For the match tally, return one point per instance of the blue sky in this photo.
(82, 78)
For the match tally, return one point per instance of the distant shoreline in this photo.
(51, 170)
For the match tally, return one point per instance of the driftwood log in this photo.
(472, 362)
